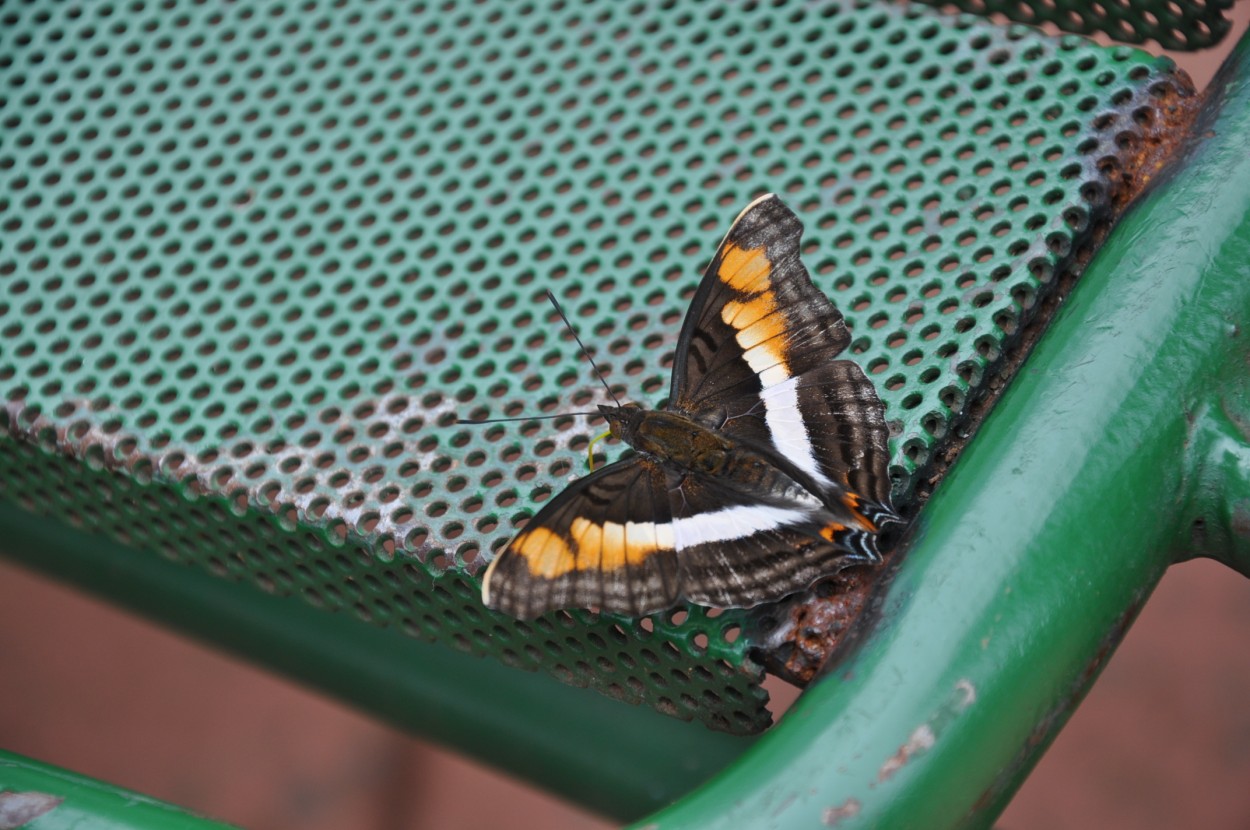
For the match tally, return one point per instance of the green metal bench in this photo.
(257, 259)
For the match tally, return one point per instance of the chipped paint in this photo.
(21, 808)
(921, 740)
(847, 809)
(924, 737)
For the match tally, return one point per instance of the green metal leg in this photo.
(37, 796)
(1120, 448)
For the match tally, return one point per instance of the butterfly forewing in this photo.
(756, 319)
(757, 360)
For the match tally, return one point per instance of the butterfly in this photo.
(765, 471)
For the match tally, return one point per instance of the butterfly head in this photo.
(622, 420)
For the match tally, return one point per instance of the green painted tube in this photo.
(1043, 542)
(39, 796)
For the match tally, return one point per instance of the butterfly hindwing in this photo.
(604, 542)
(840, 426)
(739, 547)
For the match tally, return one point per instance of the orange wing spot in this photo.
(546, 554)
(589, 538)
(745, 269)
(744, 315)
(615, 555)
(830, 529)
(762, 331)
(611, 546)
(608, 547)
(851, 500)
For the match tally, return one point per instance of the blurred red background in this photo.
(1163, 740)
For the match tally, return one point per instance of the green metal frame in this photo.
(44, 797)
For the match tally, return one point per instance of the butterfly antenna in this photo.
(520, 418)
(573, 331)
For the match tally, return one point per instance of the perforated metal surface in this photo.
(257, 258)
(1173, 24)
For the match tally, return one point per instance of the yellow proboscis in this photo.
(590, 451)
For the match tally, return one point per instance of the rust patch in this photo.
(1138, 140)
(1240, 523)
(847, 809)
(795, 645)
(20, 808)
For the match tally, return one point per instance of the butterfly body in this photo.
(667, 436)
(693, 450)
(765, 472)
